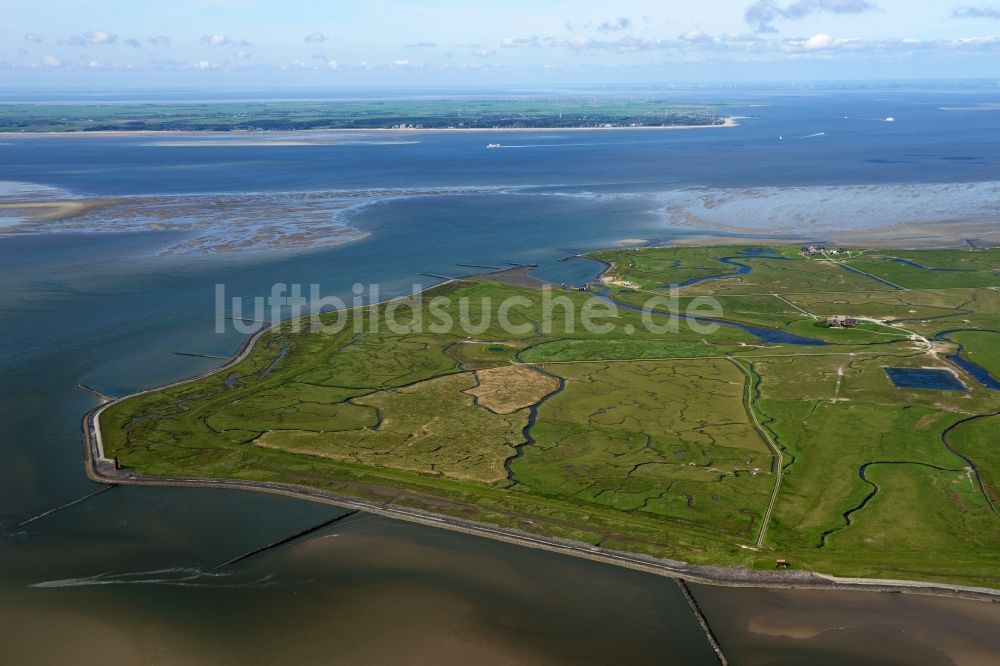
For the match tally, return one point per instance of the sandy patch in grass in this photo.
(506, 389)
(431, 427)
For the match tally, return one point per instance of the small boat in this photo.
(493, 146)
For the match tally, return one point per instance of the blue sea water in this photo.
(926, 144)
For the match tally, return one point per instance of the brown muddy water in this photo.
(369, 590)
(821, 627)
(366, 591)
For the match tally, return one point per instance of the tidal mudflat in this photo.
(830, 628)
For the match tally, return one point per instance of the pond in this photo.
(925, 378)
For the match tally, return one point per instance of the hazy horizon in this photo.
(314, 92)
(241, 43)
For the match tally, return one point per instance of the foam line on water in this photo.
(175, 576)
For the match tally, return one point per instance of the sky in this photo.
(265, 43)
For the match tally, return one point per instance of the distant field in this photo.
(431, 114)
(663, 443)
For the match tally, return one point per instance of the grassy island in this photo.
(774, 434)
(517, 113)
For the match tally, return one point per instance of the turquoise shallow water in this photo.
(108, 309)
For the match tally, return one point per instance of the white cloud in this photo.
(763, 13)
(811, 30)
(578, 43)
(614, 25)
(51, 61)
(101, 37)
(219, 39)
(976, 12)
(203, 65)
(697, 37)
(215, 40)
(521, 42)
(819, 41)
(92, 37)
(698, 47)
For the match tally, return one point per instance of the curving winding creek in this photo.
(738, 261)
(762, 333)
(981, 374)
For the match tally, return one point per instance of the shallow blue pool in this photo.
(921, 378)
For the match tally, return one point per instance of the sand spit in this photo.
(50, 211)
(214, 224)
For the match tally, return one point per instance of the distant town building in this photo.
(820, 251)
(840, 321)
